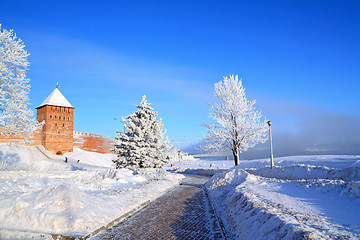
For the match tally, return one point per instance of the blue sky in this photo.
(299, 59)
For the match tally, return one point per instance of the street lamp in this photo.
(271, 148)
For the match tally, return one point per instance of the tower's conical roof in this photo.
(56, 98)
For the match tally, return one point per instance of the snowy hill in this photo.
(41, 194)
(91, 158)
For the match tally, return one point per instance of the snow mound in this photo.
(21, 158)
(41, 196)
(91, 158)
(189, 158)
(298, 171)
(37, 158)
(301, 171)
(253, 207)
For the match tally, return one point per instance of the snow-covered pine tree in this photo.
(142, 145)
(15, 117)
(237, 125)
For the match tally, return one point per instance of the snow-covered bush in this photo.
(142, 145)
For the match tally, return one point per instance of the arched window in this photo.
(63, 124)
(69, 118)
(50, 116)
(55, 117)
(55, 124)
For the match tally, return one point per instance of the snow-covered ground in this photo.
(39, 195)
(303, 197)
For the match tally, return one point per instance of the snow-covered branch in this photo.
(237, 125)
(142, 145)
(15, 118)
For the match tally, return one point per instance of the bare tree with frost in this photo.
(237, 125)
(142, 145)
(15, 117)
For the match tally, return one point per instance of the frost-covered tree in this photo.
(237, 124)
(15, 117)
(141, 145)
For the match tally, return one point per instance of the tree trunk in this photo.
(236, 156)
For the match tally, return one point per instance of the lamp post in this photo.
(271, 148)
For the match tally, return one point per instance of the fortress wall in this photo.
(86, 141)
(93, 142)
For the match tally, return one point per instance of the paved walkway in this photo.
(183, 213)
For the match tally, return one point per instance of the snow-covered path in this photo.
(183, 213)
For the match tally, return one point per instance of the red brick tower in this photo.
(57, 132)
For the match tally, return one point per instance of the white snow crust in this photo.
(303, 197)
(41, 196)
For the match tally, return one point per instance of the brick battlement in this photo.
(86, 141)
(93, 142)
(82, 134)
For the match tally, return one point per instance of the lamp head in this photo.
(269, 122)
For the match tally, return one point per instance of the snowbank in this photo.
(345, 181)
(189, 158)
(301, 171)
(41, 195)
(253, 207)
(91, 158)
(302, 197)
